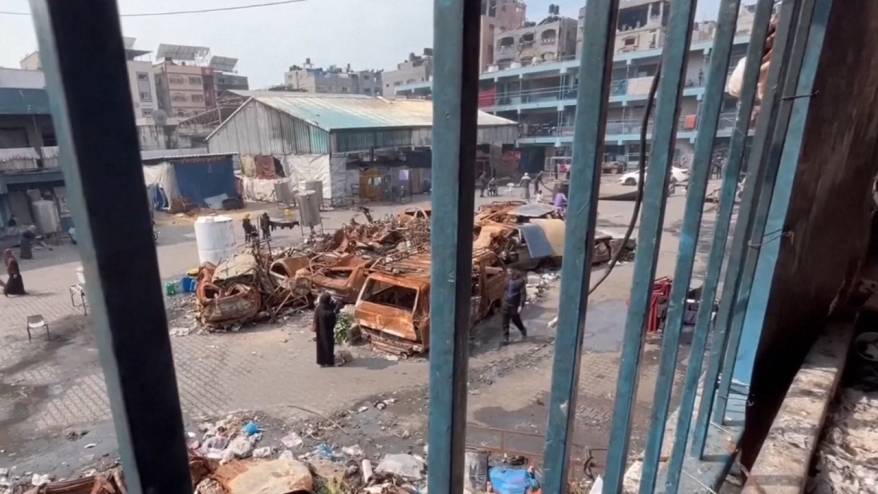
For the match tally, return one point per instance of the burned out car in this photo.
(393, 308)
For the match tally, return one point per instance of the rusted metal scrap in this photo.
(393, 309)
(110, 482)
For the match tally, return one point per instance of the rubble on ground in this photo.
(847, 457)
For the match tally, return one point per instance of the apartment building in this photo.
(181, 89)
(333, 80)
(550, 40)
(542, 96)
(497, 16)
(416, 69)
(141, 81)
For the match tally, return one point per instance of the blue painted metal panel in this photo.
(702, 163)
(456, 38)
(757, 176)
(775, 222)
(538, 245)
(718, 246)
(200, 178)
(594, 79)
(649, 235)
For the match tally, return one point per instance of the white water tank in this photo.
(215, 237)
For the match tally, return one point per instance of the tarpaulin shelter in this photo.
(177, 183)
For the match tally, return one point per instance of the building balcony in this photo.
(619, 130)
(622, 91)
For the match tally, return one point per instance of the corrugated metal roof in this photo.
(342, 111)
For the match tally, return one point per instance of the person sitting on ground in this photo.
(324, 327)
(14, 284)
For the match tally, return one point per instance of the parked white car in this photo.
(678, 176)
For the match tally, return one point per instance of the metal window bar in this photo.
(674, 58)
(84, 63)
(718, 246)
(709, 120)
(762, 168)
(761, 212)
(455, 103)
(592, 102)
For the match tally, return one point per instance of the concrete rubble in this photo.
(847, 458)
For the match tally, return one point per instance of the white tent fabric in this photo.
(303, 168)
(263, 189)
(163, 176)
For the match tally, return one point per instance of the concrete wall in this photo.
(815, 264)
(419, 69)
(141, 82)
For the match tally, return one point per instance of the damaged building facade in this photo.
(358, 147)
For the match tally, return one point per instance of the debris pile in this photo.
(847, 458)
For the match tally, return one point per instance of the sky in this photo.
(368, 34)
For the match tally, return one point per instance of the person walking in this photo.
(513, 301)
(324, 327)
(265, 225)
(14, 284)
(482, 182)
(538, 182)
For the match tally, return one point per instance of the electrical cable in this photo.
(181, 12)
(638, 200)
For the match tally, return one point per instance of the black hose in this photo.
(638, 200)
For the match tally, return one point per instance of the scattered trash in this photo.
(366, 468)
(381, 405)
(251, 428)
(353, 451)
(240, 447)
(598, 486)
(263, 452)
(90, 445)
(402, 465)
(38, 480)
(291, 440)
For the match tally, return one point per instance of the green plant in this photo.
(343, 327)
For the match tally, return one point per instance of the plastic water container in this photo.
(215, 237)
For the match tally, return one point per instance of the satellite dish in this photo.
(160, 117)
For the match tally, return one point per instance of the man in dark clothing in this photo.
(513, 302)
(482, 182)
(538, 182)
(265, 226)
(249, 230)
(324, 326)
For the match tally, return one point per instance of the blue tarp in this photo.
(202, 177)
(512, 480)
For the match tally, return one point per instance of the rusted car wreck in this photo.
(393, 308)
